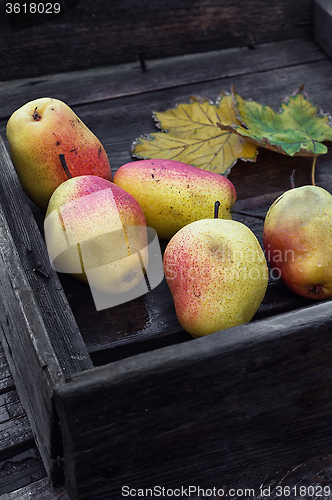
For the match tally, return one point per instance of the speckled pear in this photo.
(217, 273)
(38, 133)
(173, 194)
(96, 231)
(298, 240)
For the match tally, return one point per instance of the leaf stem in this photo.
(313, 171)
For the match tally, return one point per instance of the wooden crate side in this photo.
(60, 323)
(28, 349)
(39, 334)
(246, 400)
(322, 25)
(112, 83)
(97, 33)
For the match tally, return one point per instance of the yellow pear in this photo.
(38, 133)
(217, 273)
(96, 231)
(172, 194)
(298, 240)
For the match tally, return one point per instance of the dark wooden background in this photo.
(99, 33)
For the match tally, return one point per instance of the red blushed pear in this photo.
(217, 273)
(298, 240)
(41, 130)
(96, 231)
(173, 194)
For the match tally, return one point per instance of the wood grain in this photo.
(95, 33)
(20, 460)
(21, 469)
(6, 378)
(38, 490)
(32, 252)
(28, 317)
(113, 82)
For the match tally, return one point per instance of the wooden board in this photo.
(20, 461)
(97, 33)
(32, 307)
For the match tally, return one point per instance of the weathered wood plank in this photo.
(95, 33)
(322, 25)
(60, 323)
(20, 470)
(29, 310)
(6, 378)
(243, 401)
(47, 346)
(308, 480)
(38, 490)
(28, 349)
(112, 82)
(15, 430)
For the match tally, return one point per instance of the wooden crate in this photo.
(124, 396)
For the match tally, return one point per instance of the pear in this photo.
(217, 274)
(297, 240)
(173, 194)
(96, 231)
(38, 133)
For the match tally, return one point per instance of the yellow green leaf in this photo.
(190, 134)
(299, 128)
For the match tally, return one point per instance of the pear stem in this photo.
(64, 166)
(36, 116)
(313, 171)
(216, 209)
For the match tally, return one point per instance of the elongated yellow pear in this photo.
(38, 133)
(298, 240)
(172, 194)
(217, 273)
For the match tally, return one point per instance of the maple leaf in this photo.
(299, 128)
(190, 134)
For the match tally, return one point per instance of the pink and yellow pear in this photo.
(38, 133)
(96, 231)
(298, 240)
(217, 274)
(173, 194)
